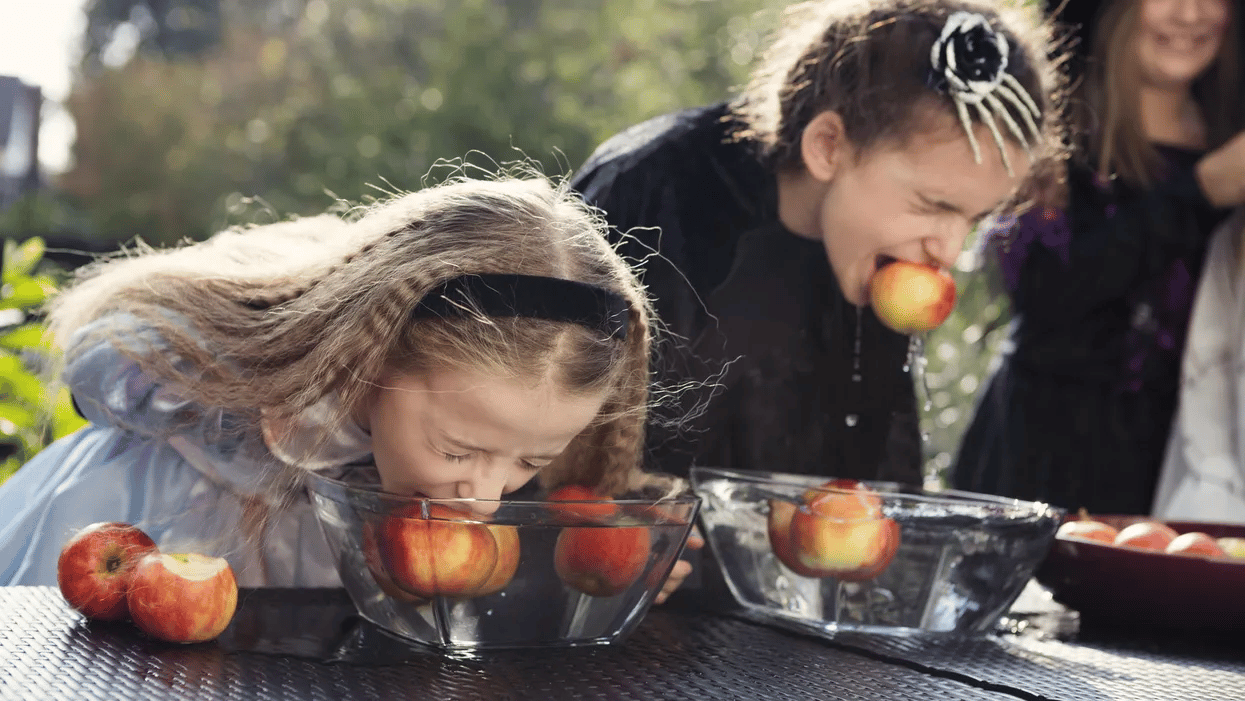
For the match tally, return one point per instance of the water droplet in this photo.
(857, 378)
(928, 405)
(851, 419)
(906, 367)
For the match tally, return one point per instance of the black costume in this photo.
(1079, 411)
(736, 289)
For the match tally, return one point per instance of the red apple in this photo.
(586, 505)
(1148, 535)
(601, 561)
(1195, 544)
(96, 566)
(182, 598)
(440, 555)
(1232, 547)
(375, 565)
(779, 526)
(508, 550)
(911, 297)
(1088, 529)
(843, 534)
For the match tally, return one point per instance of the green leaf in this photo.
(17, 414)
(65, 419)
(24, 337)
(26, 292)
(20, 260)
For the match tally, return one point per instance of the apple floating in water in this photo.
(839, 531)
(448, 554)
(599, 560)
(911, 297)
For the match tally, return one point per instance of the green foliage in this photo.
(30, 416)
(345, 98)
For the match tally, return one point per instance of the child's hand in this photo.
(681, 569)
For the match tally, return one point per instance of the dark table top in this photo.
(308, 644)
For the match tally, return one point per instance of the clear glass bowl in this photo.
(434, 572)
(895, 560)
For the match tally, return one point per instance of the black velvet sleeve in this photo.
(1066, 265)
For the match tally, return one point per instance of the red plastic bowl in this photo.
(1120, 584)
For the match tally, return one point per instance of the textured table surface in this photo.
(304, 645)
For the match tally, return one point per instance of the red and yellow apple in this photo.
(1194, 543)
(507, 538)
(1088, 529)
(96, 566)
(441, 555)
(779, 527)
(597, 560)
(182, 598)
(1232, 547)
(1148, 535)
(376, 565)
(911, 297)
(586, 505)
(603, 560)
(842, 532)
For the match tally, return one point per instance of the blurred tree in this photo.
(115, 29)
(301, 99)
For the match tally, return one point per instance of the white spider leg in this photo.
(967, 123)
(1000, 110)
(1010, 96)
(988, 119)
(1020, 91)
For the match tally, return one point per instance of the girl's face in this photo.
(454, 434)
(917, 201)
(1177, 40)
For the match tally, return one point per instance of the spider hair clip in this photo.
(968, 62)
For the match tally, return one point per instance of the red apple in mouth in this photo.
(96, 567)
(182, 598)
(601, 560)
(842, 533)
(911, 297)
(446, 554)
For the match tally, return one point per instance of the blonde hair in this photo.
(270, 319)
(1111, 95)
(869, 61)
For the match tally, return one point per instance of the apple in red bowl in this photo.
(1169, 578)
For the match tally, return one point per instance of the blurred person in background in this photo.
(1102, 271)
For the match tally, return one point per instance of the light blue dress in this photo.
(184, 474)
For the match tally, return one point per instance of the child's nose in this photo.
(487, 484)
(945, 247)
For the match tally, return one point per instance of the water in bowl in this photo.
(958, 566)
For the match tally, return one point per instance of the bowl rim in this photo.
(943, 496)
(685, 497)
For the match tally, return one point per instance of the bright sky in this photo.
(39, 41)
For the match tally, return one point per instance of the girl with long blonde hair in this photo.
(467, 338)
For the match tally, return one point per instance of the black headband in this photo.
(549, 298)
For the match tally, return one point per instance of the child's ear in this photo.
(824, 145)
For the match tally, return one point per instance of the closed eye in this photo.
(455, 458)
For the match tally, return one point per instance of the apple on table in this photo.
(96, 566)
(182, 597)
